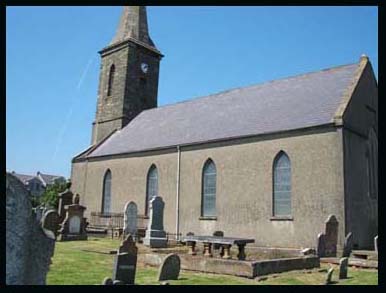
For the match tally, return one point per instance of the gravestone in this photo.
(218, 234)
(321, 245)
(130, 219)
(74, 224)
(376, 244)
(65, 198)
(331, 236)
(28, 249)
(343, 265)
(348, 245)
(170, 268)
(125, 262)
(107, 281)
(50, 223)
(155, 235)
(329, 276)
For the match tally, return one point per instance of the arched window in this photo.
(106, 197)
(208, 206)
(151, 186)
(282, 185)
(111, 80)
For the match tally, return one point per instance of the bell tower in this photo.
(128, 82)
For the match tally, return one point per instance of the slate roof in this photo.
(22, 177)
(296, 102)
(49, 179)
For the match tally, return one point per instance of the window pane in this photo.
(282, 186)
(209, 190)
(107, 193)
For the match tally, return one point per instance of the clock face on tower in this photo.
(144, 67)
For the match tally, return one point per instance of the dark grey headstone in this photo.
(170, 268)
(130, 219)
(331, 235)
(348, 245)
(28, 249)
(376, 243)
(343, 266)
(321, 245)
(329, 276)
(125, 262)
(155, 235)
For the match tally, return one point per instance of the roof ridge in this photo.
(246, 87)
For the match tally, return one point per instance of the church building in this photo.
(269, 161)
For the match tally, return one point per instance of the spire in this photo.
(133, 24)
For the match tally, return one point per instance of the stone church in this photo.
(270, 161)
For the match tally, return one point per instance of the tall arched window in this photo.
(282, 185)
(151, 186)
(106, 197)
(111, 80)
(208, 206)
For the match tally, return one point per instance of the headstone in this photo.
(107, 281)
(74, 225)
(331, 236)
(130, 219)
(321, 245)
(329, 276)
(376, 244)
(125, 262)
(170, 268)
(218, 234)
(155, 234)
(348, 245)
(65, 198)
(343, 265)
(28, 249)
(50, 223)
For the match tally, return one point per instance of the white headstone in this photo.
(74, 225)
(130, 219)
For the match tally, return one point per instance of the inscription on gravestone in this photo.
(74, 225)
(130, 219)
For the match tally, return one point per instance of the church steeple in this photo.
(128, 82)
(133, 25)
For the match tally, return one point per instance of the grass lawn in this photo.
(74, 265)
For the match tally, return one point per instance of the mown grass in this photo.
(74, 264)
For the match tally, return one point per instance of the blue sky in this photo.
(52, 64)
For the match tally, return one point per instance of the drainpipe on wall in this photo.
(178, 193)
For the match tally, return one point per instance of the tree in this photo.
(50, 196)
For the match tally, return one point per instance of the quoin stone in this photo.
(348, 245)
(130, 219)
(155, 233)
(331, 236)
(170, 268)
(343, 266)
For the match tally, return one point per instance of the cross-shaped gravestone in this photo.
(130, 219)
(125, 262)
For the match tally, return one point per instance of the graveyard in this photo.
(88, 262)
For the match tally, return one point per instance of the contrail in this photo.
(70, 110)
